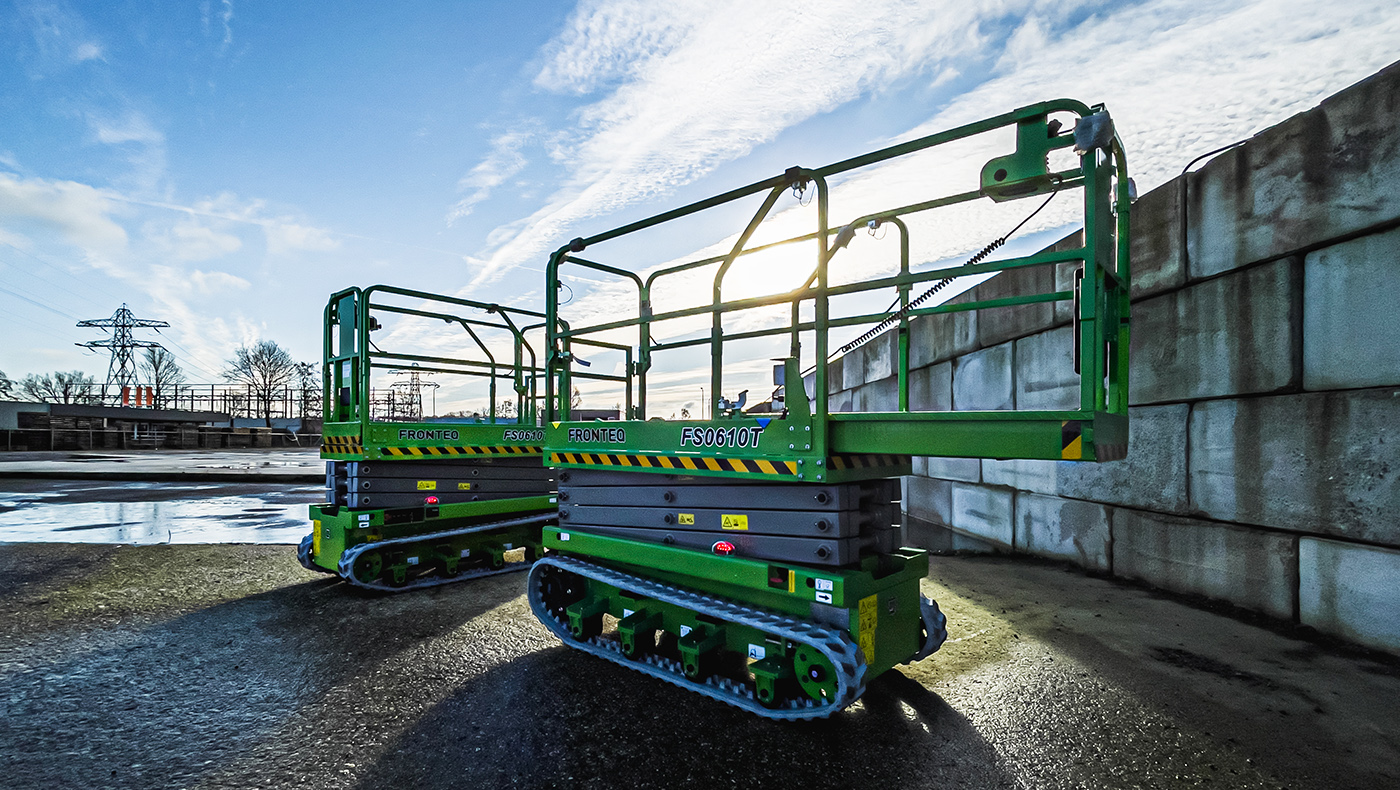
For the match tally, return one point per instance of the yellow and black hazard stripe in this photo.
(1071, 441)
(447, 452)
(342, 445)
(679, 463)
(866, 460)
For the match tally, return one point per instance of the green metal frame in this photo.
(350, 431)
(807, 442)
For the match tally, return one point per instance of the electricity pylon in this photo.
(121, 371)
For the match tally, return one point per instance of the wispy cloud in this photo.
(88, 50)
(1180, 79)
(503, 162)
(189, 240)
(607, 41)
(698, 89)
(224, 16)
(78, 212)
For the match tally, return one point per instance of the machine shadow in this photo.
(163, 703)
(557, 718)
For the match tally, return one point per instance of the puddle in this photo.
(143, 513)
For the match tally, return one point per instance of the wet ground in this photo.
(220, 496)
(287, 466)
(230, 666)
(98, 511)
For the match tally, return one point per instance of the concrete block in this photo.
(1318, 175)
(1045, 377)
(1000, 324)
(881, 395)
(1349, 590)
(967, 470)
(843, 400)
(938, 338)
(835, 374)
(1250, 568)
(1156, 241)
(982, 380)
(1321, 462)
(853, 369)
(1063, 275)
(881, 356)
(1350, 294)
(983, 513)
(928, 499)
(1064, 529)
(1231, 336)
(939, 539)
(931, 388)
(1153, 475)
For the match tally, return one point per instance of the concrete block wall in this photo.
(1264, 461)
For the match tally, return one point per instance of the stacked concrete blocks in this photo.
(1264, 463)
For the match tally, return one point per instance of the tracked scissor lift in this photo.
(756, 558)
(415, 502)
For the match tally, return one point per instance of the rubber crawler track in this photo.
(837, 646)
(347, 560)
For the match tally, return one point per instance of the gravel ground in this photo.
(229, 666)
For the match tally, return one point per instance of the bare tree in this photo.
(159, 367)
(505, 409)
(264, 368)
(6, 385)
(575, 398)
(308, 376)
(71, 386)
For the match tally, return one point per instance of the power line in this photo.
(85, 283)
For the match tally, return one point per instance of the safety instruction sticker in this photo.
(685, 518)
(869, 618)
(732, 521)
(823, 584)
(427, 485)
(757, 652)
(464, 486)
(823, 597)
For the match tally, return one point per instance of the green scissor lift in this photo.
(412, 501)
(684, 548)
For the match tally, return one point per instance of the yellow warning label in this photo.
(685, 518)
(315, 538)
(732, 521)
(464, 486)
(792, 581)
(869, 618)
(427, 485)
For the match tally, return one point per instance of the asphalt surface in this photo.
(230, 666)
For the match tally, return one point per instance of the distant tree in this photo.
(575, 398)
(71, 386)
(308, 376)
(685, 414)
(159, 367)
(6, 385)
(264, 368)
(505, 409)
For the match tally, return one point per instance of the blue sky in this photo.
(225, 165)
